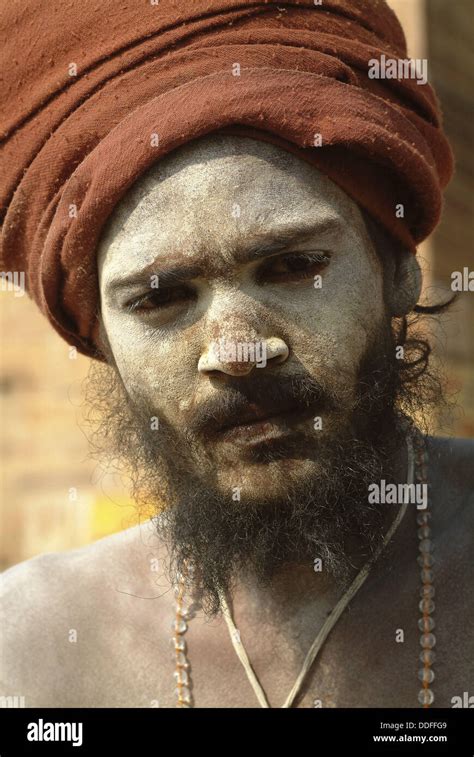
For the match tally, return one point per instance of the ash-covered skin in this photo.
(204, 205)
(110, 590)
(253, 504)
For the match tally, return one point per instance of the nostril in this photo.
(240, 358)
(276, 359)
(276, 350)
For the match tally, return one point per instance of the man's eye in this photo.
(294, 267)
(157, 299)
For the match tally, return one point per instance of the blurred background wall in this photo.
(51, 495)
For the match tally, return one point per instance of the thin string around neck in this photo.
(331, 620)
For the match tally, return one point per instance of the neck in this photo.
(299, 598)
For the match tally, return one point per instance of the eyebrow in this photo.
(258, 247)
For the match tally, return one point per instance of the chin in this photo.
(267, 481)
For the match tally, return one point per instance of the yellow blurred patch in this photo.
(111, 515)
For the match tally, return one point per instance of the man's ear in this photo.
(402, 273)
(403, 284)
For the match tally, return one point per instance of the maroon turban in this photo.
(93, 93)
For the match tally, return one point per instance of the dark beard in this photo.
(326, 518)
(322, 518)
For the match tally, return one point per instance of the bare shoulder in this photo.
(60, 611)
(127, 556)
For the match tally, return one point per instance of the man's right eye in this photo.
(158, 299)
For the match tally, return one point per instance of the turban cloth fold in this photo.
(93, 93)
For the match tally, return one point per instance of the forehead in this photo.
(211, 195)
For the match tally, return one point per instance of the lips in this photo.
(258, 425)
(263, 405)
(253, 414)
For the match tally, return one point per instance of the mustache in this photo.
(256, 396)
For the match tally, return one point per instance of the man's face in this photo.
(229, 246)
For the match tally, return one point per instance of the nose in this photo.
(240, 358)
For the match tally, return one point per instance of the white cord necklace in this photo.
(320, 636)
(427, 640)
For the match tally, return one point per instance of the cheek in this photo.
(154, 368)
(329, 329)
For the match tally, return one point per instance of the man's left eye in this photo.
(294, 266)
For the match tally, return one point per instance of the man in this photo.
(258, 378)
